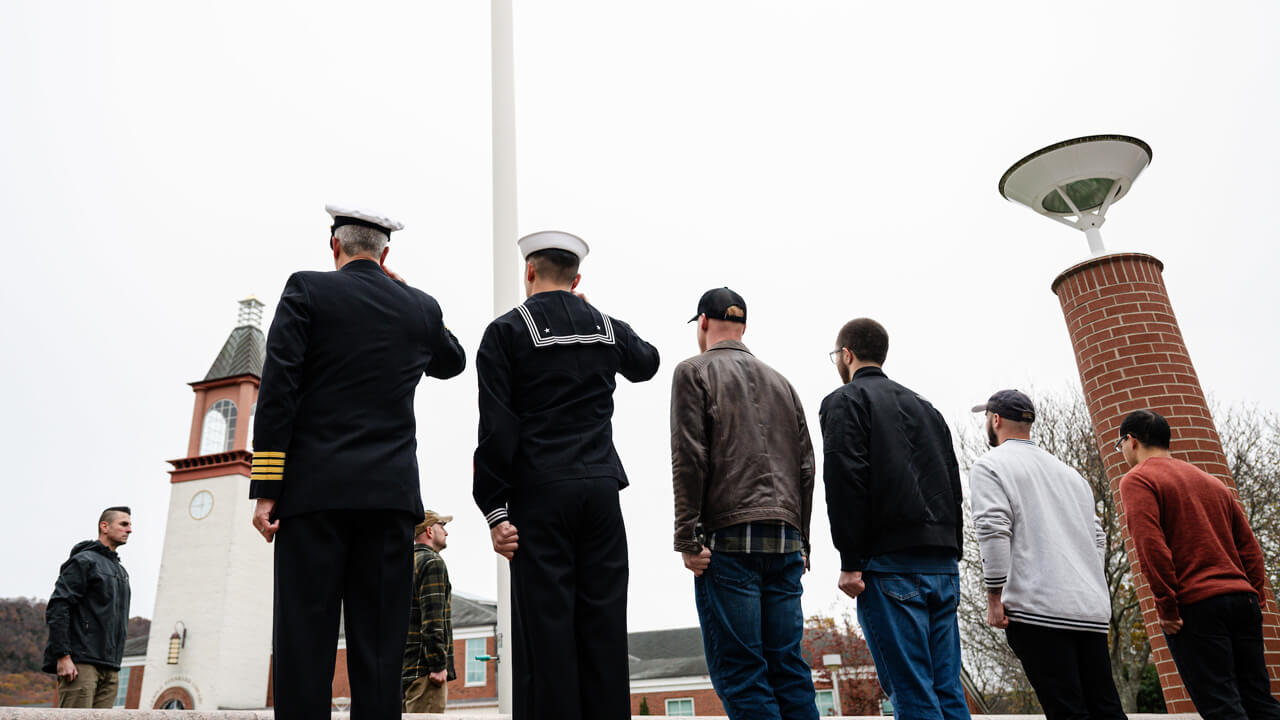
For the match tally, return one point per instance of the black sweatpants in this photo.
(354, 563)
(569, 603)
(1070, 671)
(1219, 654)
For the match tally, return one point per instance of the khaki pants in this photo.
(94, 687)
(424, 696)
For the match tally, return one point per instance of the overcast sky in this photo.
(160, 161)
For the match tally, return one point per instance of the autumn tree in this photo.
(1251, 441)
(859, 690)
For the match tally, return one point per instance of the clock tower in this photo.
(210, 644)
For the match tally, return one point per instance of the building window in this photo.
(680, 707)
(122, 692)
(219, 428)
(476, 669)
(826, 703)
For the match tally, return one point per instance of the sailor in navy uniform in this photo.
(335, 468)
(547, 479)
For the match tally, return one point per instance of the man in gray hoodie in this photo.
(1042, 554)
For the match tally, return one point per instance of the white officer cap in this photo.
(553, 240)
(343, 215)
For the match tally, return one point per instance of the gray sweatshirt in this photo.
(1040, 538)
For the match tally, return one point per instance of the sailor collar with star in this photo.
(562, 318)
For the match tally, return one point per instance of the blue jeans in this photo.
(911, 629)
(752, 625)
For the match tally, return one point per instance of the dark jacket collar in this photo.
(730, 345)
(362, 265)
(869, 370)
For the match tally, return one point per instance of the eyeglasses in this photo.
(835, 356)
(1121, 442)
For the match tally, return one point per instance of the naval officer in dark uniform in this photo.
(335, 468)
(547, 479)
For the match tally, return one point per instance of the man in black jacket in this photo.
(545, 465)
(88, 616)
(893, 497)
(335, 466)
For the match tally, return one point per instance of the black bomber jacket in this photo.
(890, 470)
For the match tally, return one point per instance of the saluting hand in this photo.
(505, 539)
(698, 563)
(393, 275)
(851, 584)
(262, 519)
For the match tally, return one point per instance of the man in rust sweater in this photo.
(1205, 570)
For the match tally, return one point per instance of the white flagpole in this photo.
(506, 264)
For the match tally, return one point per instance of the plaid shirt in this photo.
(430, 645)
(762, 536)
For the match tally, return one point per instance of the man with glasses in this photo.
(893, 497)
(742, 466)
(1205, 570)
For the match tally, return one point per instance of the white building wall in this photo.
(247, 610)
(215, 577)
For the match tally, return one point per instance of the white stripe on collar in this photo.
(543, 338)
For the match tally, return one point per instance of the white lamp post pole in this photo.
(506, 292)
(833, 663)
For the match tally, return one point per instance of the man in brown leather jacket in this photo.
(742, 466)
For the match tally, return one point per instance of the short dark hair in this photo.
(110, 513)
(1147, 427)
(865, 338)
(554, 264)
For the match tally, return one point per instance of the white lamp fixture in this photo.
(1082, 177)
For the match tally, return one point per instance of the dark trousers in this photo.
(752, 628)
(357, 564)
(1070, 671)
(569, 603)
(1219, 655)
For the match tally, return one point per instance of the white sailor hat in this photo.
(359, 216)
(553, 240)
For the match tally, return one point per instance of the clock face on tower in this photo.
(201, 504)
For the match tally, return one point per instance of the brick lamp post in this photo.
(1128, 347)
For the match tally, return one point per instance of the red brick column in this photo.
(1131, 356)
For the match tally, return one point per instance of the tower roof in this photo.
(245, 348)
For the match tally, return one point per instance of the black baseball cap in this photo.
(722, 304)
(1010, 404)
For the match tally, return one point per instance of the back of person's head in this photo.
(109, 515)
(555, 265)
(866, 339)
(359, 240)
(1147, 427)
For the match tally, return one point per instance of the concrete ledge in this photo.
(54, 714)
(14, 713)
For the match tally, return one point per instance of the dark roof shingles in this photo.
(242, 354)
